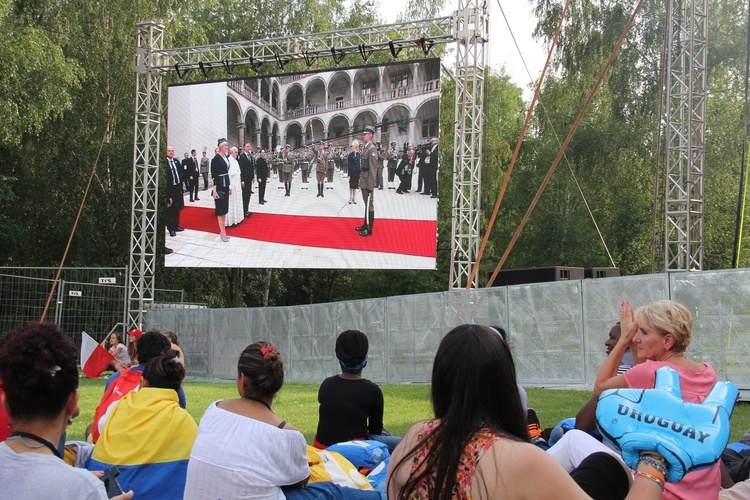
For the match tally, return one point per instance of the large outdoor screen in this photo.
(312, 205)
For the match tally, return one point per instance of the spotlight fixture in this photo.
(255, 64)
(280, 61)
(425, 44)
(206, 70)
(366, 51)
(395, 49)
(309, 58)
(229, 67)
(338, 55)
(182, 74)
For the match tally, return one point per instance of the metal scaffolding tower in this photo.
(468, 27)
(687, 21)
(143, 232)
(471, 30)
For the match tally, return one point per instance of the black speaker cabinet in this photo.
(538, 275)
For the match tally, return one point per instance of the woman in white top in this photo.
(243, 449)
(235, 214)
(119, 350)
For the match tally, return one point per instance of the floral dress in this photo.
(478, 445)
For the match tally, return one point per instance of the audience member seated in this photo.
(153, 344)
(351, 407)
(585, 418)
(477, 446)
(172, 336)
(661, 332)
(148, 436)
(118, 350)
(134, 335)
(39, 370)
(243, 449)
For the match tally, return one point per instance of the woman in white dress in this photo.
(235, 214)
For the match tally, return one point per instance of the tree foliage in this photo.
(67, 93)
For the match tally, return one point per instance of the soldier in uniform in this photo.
(368, 179)
(304, 165)
(392, 156)
(330, 165)
(204, 170)
(319, 162)
(287, 158)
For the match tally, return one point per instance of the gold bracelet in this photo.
(651, 477)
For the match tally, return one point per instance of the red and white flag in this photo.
(94, 358)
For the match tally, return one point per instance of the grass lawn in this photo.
(404, 405)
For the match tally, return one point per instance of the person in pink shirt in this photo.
(661, 332)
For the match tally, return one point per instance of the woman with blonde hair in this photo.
(661, 332)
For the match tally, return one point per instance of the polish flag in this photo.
(94, 358)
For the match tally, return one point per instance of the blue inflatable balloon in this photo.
(689, 436)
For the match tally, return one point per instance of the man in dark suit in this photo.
(261, 172)
(247, 173)
(174, 194)
(431, 167)
(184, 173)
(193, 175)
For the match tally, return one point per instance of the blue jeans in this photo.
(330, 491)
(390, 441)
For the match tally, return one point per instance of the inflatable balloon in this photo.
(689, 436)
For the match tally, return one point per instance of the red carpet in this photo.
(408, 237)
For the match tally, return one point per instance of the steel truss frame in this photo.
(468, 28)
(687, 22)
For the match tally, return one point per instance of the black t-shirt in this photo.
(349, 409)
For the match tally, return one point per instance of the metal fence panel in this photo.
(556, 330)
(547, 331)
(719, 304)
(416, 327)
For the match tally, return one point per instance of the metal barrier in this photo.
(87, 299)
(556, 330)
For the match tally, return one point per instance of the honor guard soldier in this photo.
(368, 179)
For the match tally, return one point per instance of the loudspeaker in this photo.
(602, 272)
(537, 275)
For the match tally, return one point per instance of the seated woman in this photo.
(39, 372)
(148, 435)
(175, 341)
(478, 444)
(133, 335)
(243, 449)
(351, 407)
(117, 349)
(661, 332)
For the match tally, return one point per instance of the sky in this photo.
(502, 50)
